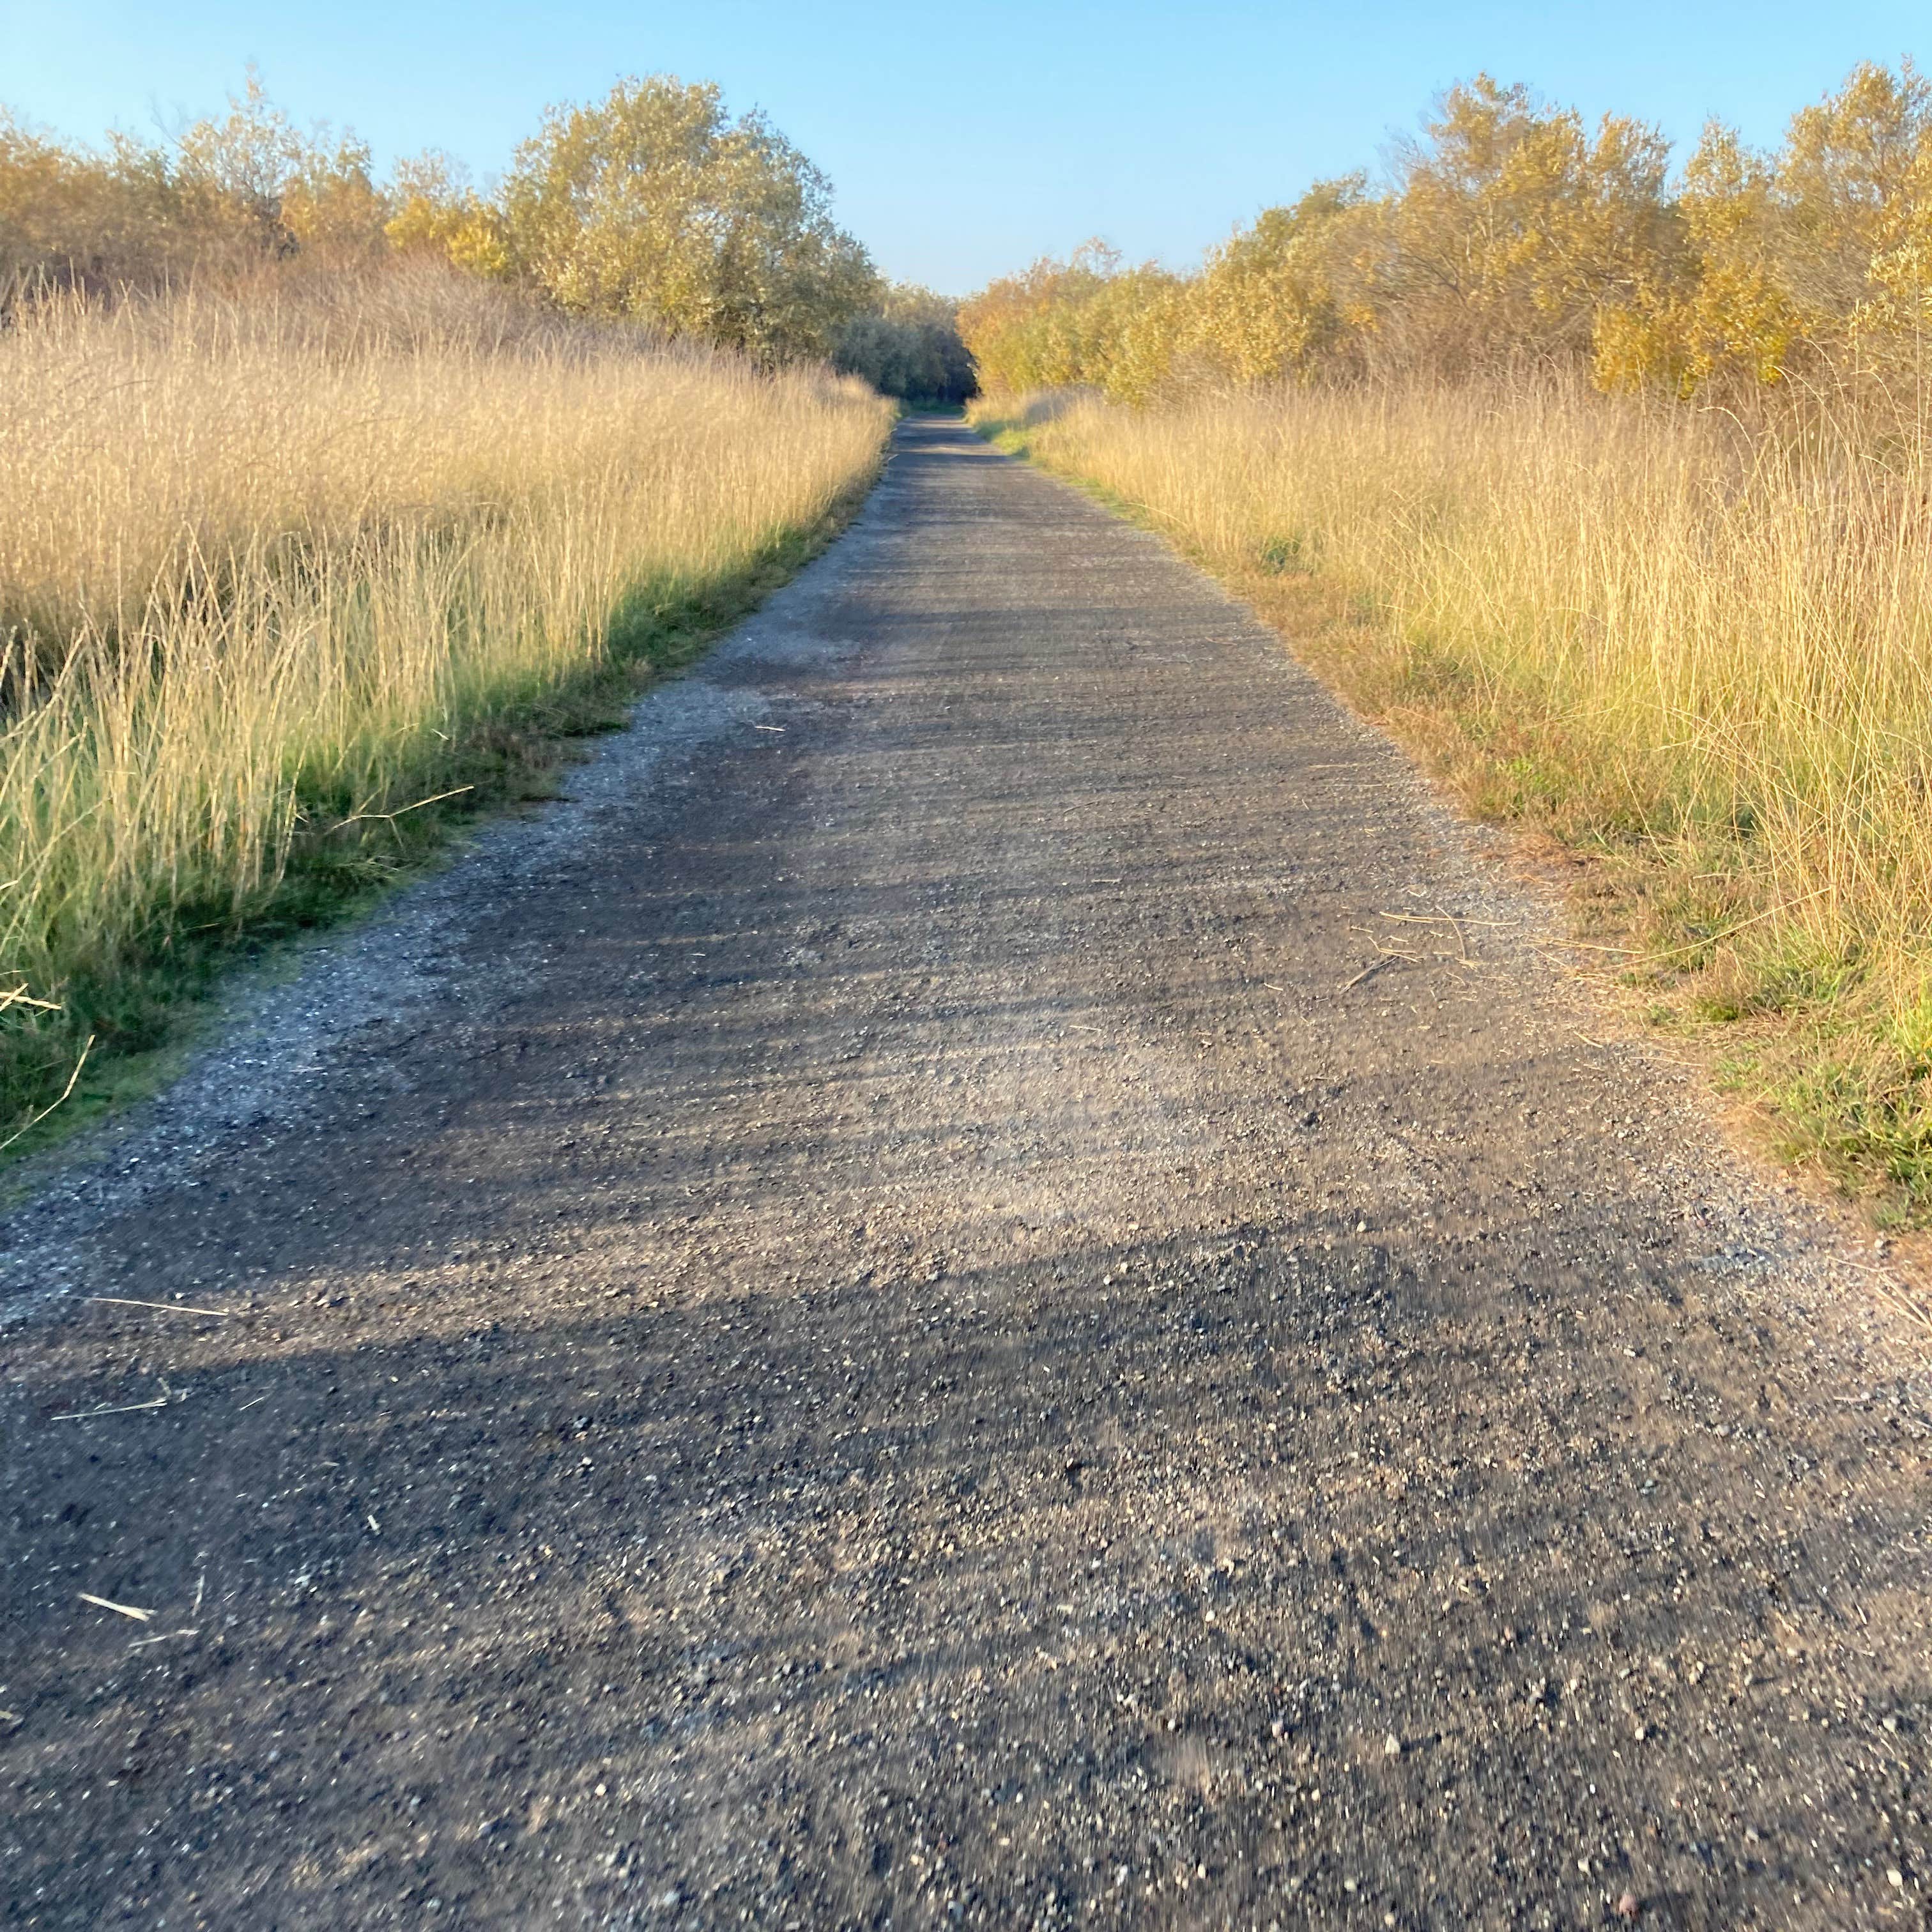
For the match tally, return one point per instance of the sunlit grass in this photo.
(1699, 652)
(274, 568)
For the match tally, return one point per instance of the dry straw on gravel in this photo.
(1700, 648)
(272, 567)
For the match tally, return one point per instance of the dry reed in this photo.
(1698, 649)
(273, 567)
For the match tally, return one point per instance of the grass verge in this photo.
(1692, 660)
(154, 1008)
(288, 600)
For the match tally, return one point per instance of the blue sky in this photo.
(961, 143)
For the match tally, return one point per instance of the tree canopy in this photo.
(655, 206)
(1510, 232)
(652, 206)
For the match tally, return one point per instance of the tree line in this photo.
(1510, 233)
(654, 205)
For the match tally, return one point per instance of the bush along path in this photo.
(991, 1282)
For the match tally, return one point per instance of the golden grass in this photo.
(1698, 650)
(274, 566)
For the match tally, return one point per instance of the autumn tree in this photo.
(1818, 253)
(1283, 299)
(225, 194)
(1503, 233)
(1718, 310)
(330, 203)
(654, 205)
(1510, 228)
(1080, 320)
(1850, 192)
(436, 211)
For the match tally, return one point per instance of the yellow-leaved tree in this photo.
(906, 344)
(654, 206)
(1819, 252)
(1507, 229)
(1510, 228)
(1283, 299)
(1087, 319)
(226, 194)
(437, 212)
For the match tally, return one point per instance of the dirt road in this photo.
(995, 1283)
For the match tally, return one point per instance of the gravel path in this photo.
(994, 1282)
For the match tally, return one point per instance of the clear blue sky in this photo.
(961, 142)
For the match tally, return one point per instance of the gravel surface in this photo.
(998, 1280)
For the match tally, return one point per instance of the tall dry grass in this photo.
(1698, 648)
(274, 565)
